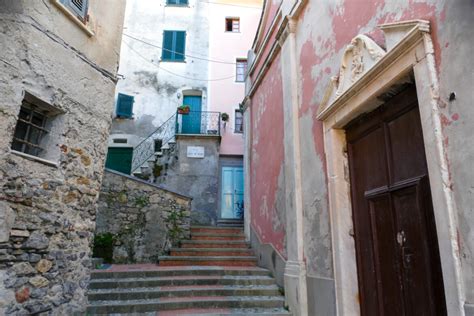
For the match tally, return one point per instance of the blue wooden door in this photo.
(191, 123)
(232, 196)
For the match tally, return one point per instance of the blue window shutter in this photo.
(167, 51)
(182, 2)
(78, 7)
(125, 105)
(174, 43)
(180, 43)
(172, 2)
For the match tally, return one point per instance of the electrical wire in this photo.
(231, 5)
(172, 51)
(172, 73)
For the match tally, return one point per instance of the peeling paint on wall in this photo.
(267, 187)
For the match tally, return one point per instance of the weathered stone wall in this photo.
(145, 220)
(196, 177)
(47, 208)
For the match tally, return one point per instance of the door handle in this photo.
(401, 238)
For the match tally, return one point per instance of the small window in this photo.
(240, 70)
(77, 7)
(120, 141)
(174, 43)
(176, 2)
(124, 106)
(239, 122)
(232, 25)
(33, 134)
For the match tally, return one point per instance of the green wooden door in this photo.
(119, 159)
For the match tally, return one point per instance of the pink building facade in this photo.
(229, 46)
(232, 28)
(316, 67)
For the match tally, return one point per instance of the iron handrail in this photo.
(146, 148)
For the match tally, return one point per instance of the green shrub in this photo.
(104, 246)
(142, 201)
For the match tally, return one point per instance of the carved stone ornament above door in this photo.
(363, 58)
(359, 56)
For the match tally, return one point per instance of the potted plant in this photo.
(225, 117)
(184, 109)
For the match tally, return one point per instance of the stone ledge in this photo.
(147, 183)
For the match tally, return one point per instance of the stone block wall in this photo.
(48, 204)
(197, 177)
(144, 219)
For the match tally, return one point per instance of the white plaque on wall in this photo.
(195, 152)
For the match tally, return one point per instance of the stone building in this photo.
(358, 117)
(58, 62)
(185, 53)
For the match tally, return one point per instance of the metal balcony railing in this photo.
(199, 123)
(191, 123)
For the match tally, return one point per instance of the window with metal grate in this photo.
(30, 130)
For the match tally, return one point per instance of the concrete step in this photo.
(182, 291)
(230, 223)
(214, 244)
(148, 282)
(225, 312)
(215, 229)
(163, 304)
(123, 271)
(207, 261)
(217, 236)
(211, 252)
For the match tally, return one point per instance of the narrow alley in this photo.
(236, 157)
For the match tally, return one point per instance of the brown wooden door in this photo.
(398, 262)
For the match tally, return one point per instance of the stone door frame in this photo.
(409, 50)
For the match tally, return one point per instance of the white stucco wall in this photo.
(146, 77)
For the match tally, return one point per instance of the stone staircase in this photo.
(213, 273)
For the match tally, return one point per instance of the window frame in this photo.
(168, 4)
(26, 140)
(80, 14)
(173, 47)
(240, 61)
(123, 114)
(70, 14)
(241, 130)
(50, 126)
(232, 20)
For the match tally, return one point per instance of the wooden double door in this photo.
(397, 252)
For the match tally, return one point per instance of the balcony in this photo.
(198, 123)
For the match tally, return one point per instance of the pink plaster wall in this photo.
(266, 161)
(225, 95)
(320, 48)
(324, 29)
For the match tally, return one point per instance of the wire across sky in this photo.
(170, 72)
